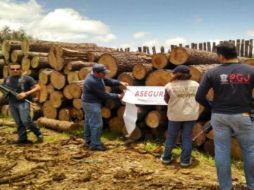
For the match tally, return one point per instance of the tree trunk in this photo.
(44, 76)
(72, 91)
(26, 63)
(119, 62)
(58, 100)
(105, 112)
(197, 71)
(128, 77)
(180, 55)
(77, 103)
(77, 65)
(72, 76)
(158, 78)
(140, 71)
(8, 46)
(116, 124)
(43, 95)
(57, 125)
(84, 72)
(16, 56)
(160, 61)
(155, 118)
(57, 79)
(49, 111)
(39, 62)
(64, 114)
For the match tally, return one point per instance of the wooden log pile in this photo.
(60, 69)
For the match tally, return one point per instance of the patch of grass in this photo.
(109, 135)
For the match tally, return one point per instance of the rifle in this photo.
(206, 127)
(8, 90)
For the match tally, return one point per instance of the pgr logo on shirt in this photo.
(224, 78)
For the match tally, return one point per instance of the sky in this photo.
(131, 23)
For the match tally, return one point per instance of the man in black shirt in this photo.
(232, 83)
(24, 86)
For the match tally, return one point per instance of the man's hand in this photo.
(125, 84)
(21, 96)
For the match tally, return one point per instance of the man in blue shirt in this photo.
(232, 83)
(92, 97)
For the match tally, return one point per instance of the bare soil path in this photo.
(62, 163)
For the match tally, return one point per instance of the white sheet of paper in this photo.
(130, 117)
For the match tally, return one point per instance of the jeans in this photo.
(20, 112)
(242, 127)
(173, 129)
(93, 124)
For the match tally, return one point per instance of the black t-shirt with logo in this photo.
(19, 84)
(232, 84)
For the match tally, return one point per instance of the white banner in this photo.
(145, 95)
(141, 95)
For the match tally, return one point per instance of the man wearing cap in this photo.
(92, 97)
(232, 83)
(183, 111)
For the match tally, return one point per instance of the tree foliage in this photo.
(7, 34)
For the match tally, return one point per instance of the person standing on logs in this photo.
(183, 111)
(22, 87)
(93, 95)
(232, 83)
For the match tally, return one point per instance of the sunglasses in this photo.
(15, 69)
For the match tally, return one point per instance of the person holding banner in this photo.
(183, 111)
(92, 97)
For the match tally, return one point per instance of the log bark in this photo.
(116, 124)
(128, 77)
(16, 56)
(57, 79)
(26, 63)
(40, 62)
(77, 65)
(57, 125)
(155, 118)
(44, 76)
(77, 103)
(158, 78)
(135, 135)
(84, 72)
(64, 114)
(105, 112)
(58, 100)
(160, 61)
(8, 46)
(49, 111)
(197, 71)
(119, 62)
(4, 122)
(180, 55)
(72, 76)
(140, 71)
(43, 95)
(72, 91)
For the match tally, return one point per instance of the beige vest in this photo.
(182, 105)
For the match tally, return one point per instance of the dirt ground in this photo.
(62, 163)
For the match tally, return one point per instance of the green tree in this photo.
(7, 34)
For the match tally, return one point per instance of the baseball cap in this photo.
(100, 68)
(181, 69)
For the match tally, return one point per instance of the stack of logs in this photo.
(60, 69)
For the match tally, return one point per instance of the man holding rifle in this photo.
(21, 87)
